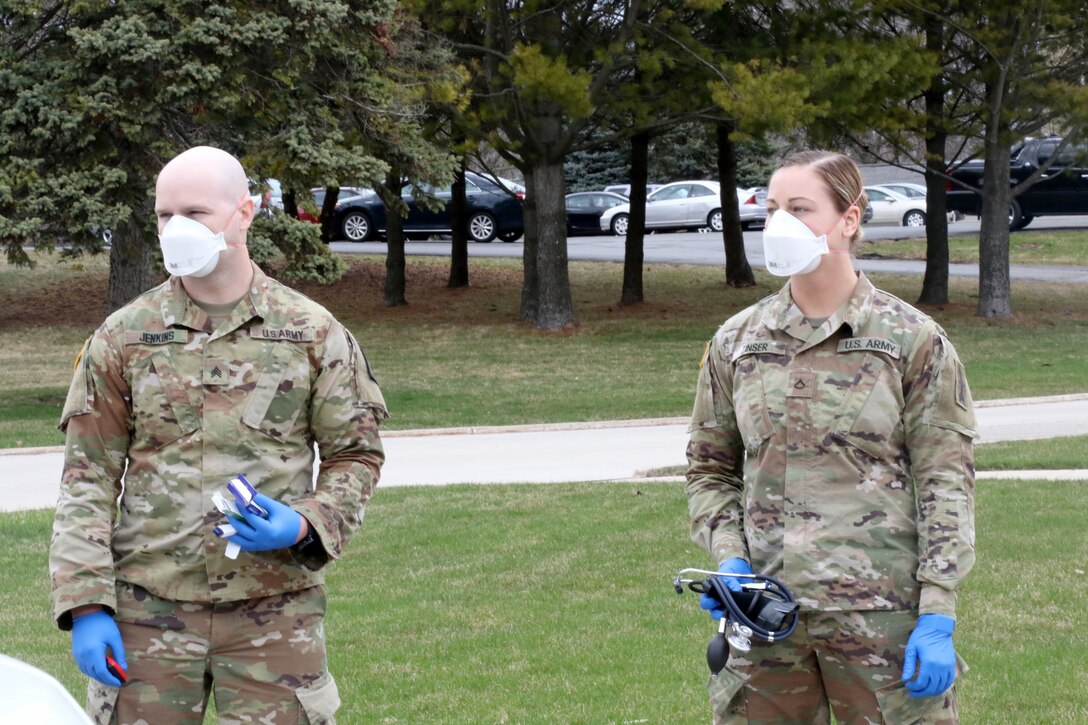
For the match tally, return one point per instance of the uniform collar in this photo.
(784, 315)
(179, 309)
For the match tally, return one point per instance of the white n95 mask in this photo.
(790, 247)
(190, 249)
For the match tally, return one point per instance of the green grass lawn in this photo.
(1053, 453)
(554, 604)
(1025, 247)
(461, 357)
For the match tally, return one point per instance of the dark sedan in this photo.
(492, 212)
(584, 209)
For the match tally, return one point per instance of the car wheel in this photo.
(481, 227)
(356, 227)
(914, 218)
(1017, 218)
(619, 225)
(509, 236)
(714, 220)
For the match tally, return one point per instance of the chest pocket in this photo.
(871, 408)
(161, 407)
(282, 392)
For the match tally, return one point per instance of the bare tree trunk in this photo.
(994, 286)
(546, 299)
(459, 221)
(290, 204)
(633, 252)
(935, 280)
(133, 259)
(738, 273)
(328, 213)
(394, 233)
(530, 273)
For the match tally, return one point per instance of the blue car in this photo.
(492, 212)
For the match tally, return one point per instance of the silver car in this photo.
(683, 205)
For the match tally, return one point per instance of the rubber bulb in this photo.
(717, 651)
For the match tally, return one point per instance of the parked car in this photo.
(267, 196)
(685, 205)
(916, 191)
(492, 212)
(867, 215)
(752, 204)
(584, 209)
(625, 189)
(515, 187)
(891, 208)
(1062, 190)
(906, 188)
(346, 195)
(272, 199)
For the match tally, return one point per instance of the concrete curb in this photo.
(1067, 398)
(586, 425)
(1049, 475)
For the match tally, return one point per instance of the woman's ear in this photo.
(851, 221)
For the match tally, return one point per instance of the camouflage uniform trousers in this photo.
(846, 662)
(263, 659)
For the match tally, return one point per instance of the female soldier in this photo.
(831, 447)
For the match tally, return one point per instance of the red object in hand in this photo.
(115, 669)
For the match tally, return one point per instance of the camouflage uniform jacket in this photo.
(838, 458)
(163, 410)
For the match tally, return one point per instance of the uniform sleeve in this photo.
(939, 421)
(97, 422)
(344, 416)
(715, 475)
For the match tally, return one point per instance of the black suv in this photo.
(1062, 190)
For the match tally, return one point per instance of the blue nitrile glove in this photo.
(930, 652)
(92, 634)
(278, 531)
(736, 565)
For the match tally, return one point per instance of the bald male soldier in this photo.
(217, 372)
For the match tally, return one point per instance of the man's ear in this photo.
(245, 213)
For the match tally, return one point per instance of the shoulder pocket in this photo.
(281, 393)
(80, 392)
(364, 386)
(954, 409)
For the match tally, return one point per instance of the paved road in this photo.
(556, 453)
(707, 249)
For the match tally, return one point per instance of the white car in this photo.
(625, 189)
(892, 208)
(916, 191)
(905, 188)
(684, 205)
